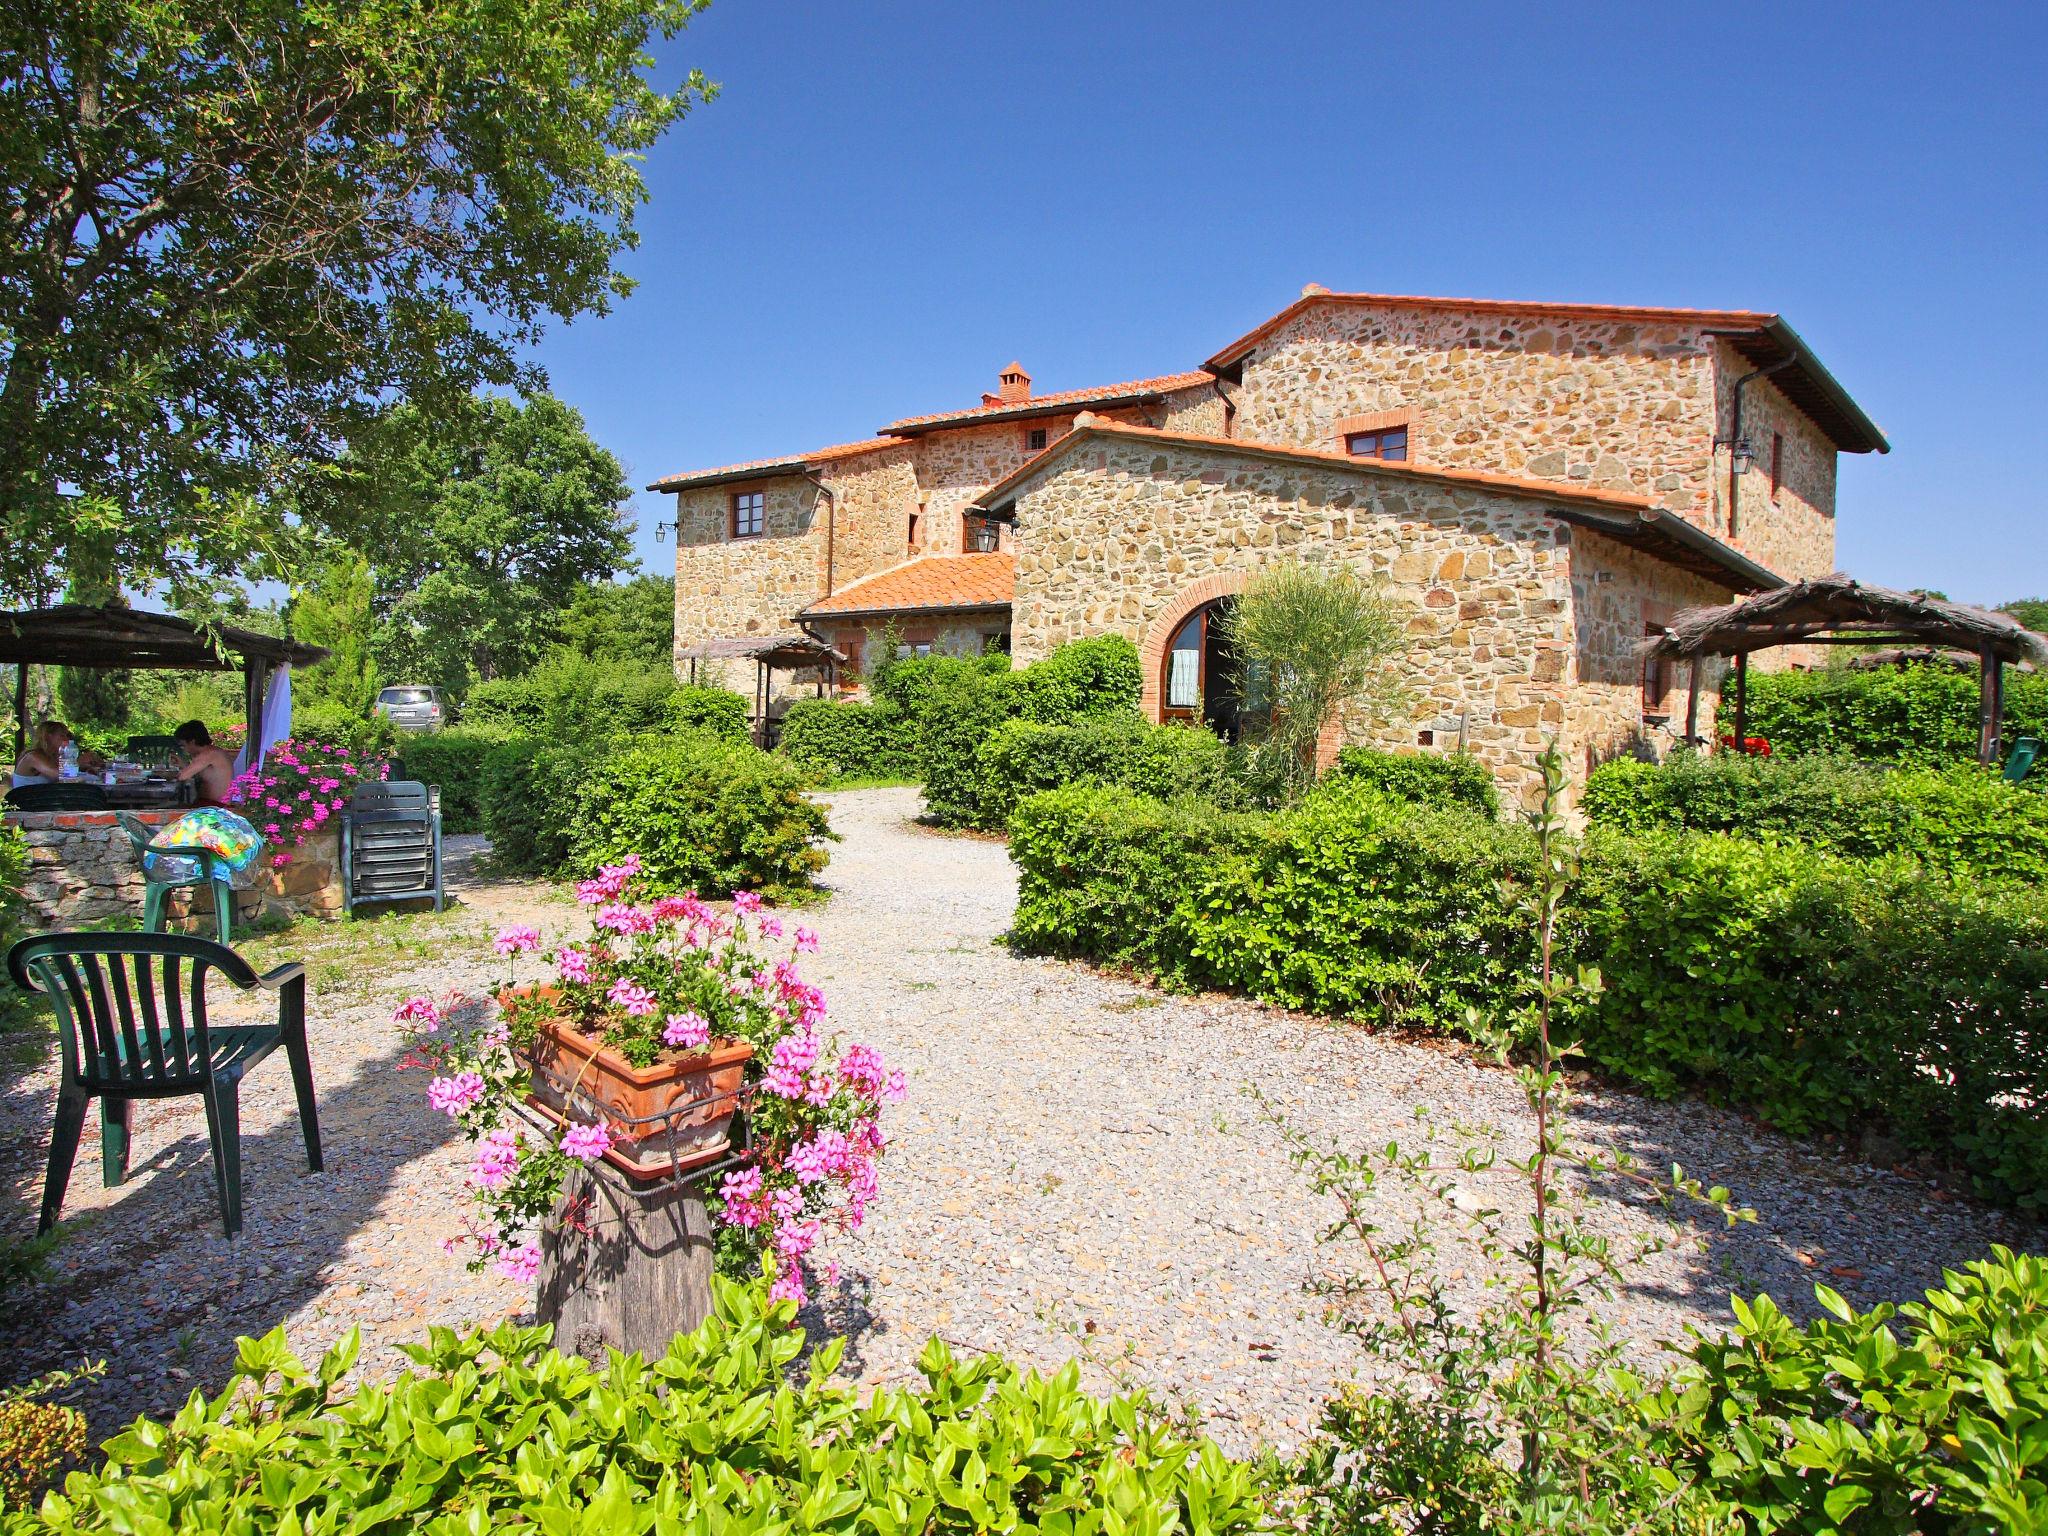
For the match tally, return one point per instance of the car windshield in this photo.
(407, 696)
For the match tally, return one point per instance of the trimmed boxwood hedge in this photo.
(1825, 993)
(454, 759)
(839, 737)
(1447, 779)
(1913, 714)
(1961, 819)
(1023, 757)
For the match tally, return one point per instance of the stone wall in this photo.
(1795, 533)
(1130, 537)
(83, 869)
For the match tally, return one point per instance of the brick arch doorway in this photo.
(1190, 672)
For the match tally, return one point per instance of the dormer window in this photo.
(749, 514)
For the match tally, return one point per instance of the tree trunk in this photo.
(624, 1265)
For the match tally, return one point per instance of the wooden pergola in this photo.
(128, 639)
(1834, 610)
(769, 653)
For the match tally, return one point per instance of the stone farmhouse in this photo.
(1541, 485)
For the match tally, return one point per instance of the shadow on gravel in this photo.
(149, 1284)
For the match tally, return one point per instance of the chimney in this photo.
(1013, 385)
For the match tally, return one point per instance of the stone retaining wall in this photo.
(83, 869)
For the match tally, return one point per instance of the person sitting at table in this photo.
(43, 762)
(212, 769)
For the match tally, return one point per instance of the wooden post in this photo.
(624, 1266)
(1692, 706)
(1742, 701)
(20, 708)
(1990, 702)
(254, 672)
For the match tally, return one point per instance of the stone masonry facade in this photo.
(1529, 596)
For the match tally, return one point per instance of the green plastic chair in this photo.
(131, 1016)
(151, 751)
(2020, 760)
(157, 885)
(58, 797)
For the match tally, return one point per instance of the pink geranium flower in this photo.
(631, 996)
(516, 941)
(586, 1143)
(686, 1031)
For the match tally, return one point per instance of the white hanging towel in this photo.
(277, 716)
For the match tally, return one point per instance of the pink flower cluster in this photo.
(301, 784)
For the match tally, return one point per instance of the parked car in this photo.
(412, 707)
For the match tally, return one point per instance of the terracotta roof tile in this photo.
(1102, 394)
(789, 463)
(929, 582)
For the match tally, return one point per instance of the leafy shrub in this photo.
(1960, 819)
(573, 698)
(1022, 757)
(836, 737)
(908, 681)
(363, 734)
(1109, 875)
(1827, 994)
(703, 814)
(1915, 714)
(528, 800)
(717, 710)
(963, 704)
(37, 1436)
(497, 1431)
(454, 759)
(1925, 1417)
(1452, 778)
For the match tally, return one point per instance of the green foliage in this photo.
(278, 216)
(963, 703)
(719, 711)
(1311, 642)
(333, 608)
(1924, 1417)
(1022, 757)
(703, 814)
(1808, 987)
(572, 698)
(907, 681)
(1449, 779)
(528, 802)
(2030, 611)
(365, 734)
(454, 759)
(1961, 819)
(491, 519)
(729, 1432)
(631, 621)
(1109, 875)
(1916, 714)
(838, 737)
(37, 1436)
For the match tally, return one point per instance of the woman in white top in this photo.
(42, 763)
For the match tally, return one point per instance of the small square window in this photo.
(749, 514)
(1034, 440)
(1389, 443)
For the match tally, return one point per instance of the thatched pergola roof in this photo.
(85, 635)
(783, 652)
(1834, 610)
(1914, 656)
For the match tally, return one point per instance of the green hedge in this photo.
(370, 734)
(835, 737)
(719, 711)
(1960, 819)
(1449, 779)
(1022, 757)
(907, 682)
(963, 705)
(703, 814)
(1915, 714)
(454, 759)
(1826, 994)
(573, 698)
(528, 801)
(730, 1432)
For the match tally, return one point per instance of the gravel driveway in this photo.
(1076, 1170)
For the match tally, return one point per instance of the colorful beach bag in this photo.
(235, 844)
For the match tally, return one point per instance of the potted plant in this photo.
(669, 1005)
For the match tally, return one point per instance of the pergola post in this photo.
(1742, 701)
(1692, 706)
(254, 671)
(20, 708)
(1990, 702)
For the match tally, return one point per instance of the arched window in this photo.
(1201, 680)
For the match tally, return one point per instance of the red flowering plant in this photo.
(665, 980)
(299, 786)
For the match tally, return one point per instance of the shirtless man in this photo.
(213, 768)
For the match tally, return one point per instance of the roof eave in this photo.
(1854, 431)
(780, 469)
(1024, 411)
(816, 615)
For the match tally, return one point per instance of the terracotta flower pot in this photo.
(709, 1080)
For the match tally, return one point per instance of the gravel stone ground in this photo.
(1077, 1169)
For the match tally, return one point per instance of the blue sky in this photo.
(888, 201)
